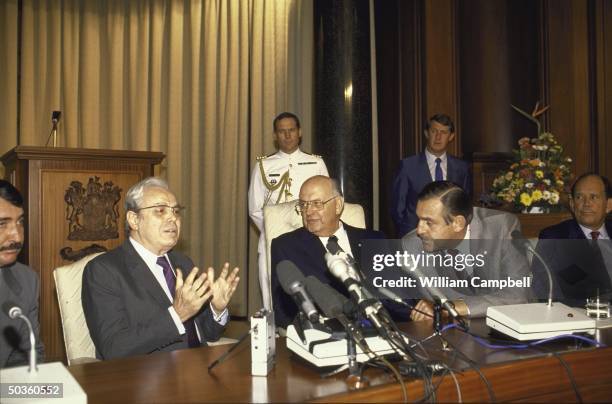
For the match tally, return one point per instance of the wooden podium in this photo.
(74, 198)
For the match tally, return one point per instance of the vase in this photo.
(536, 210)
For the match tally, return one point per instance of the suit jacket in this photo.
(578, 269)
(127, 310)
(411, 178)
(489, 231)
(307, 252)
(19, 286)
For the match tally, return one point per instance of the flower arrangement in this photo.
(539, 173)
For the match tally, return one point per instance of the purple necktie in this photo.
(439, 174)
(192, 334)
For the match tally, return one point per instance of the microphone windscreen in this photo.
(288, 274)
(327, 298)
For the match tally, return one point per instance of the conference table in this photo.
(540, 373)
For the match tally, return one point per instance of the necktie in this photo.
(332, 245)
(439, 175)
(192, 334)
(594, 237)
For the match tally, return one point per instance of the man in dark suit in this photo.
(143, 297)
(320, 204)
(579, 250)
(19, 284)
(434, 164)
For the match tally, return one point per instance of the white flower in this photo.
(569, 159)
(542, 164)
(546, 181)
(529, 185)
(546, 194)
(554, 198)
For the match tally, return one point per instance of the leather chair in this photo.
(68, 280)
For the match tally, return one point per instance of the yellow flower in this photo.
(525, 199)
(536, 195)
(539, 174)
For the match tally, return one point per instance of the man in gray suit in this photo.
(19, 284)
(143, 297)
(449, 225)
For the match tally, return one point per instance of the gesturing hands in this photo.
(224, 287)
(192, 292)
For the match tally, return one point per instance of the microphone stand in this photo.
(226, 353)
(53, 133)
(354, 379)
(437, 324)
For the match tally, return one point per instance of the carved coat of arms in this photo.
(92, 210)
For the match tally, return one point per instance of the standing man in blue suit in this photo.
(434, 164)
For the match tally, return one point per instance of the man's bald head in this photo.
(321, 205)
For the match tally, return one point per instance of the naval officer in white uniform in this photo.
(277, 178)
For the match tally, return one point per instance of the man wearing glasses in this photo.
(320, 206)
(434, 164)
(144, 297)
(277, 178)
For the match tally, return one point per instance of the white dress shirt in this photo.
(431, 164)
(343, 240)
(158, 272)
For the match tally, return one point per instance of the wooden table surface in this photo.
(519, 375)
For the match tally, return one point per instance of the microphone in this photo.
(55, 116)
(435, 293)
(13, 311)
(523, 245)
(340, 269)
(292, 282)
(332, 304)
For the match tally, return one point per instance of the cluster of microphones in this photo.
(359, 316)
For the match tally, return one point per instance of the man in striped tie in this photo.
(143, 296)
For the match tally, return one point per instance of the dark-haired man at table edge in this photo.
(449, 224)
(19, 284)
(143, 296)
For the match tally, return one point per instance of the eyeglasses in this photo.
(302, 206)
(164, 210)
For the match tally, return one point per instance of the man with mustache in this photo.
(19, 284)
(143, 296)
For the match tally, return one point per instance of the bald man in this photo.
(320, 205)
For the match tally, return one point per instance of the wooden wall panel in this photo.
(566, 48)
(440, 67)
(498, 54)
(602, 47)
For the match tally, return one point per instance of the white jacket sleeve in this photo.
(257, 192)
